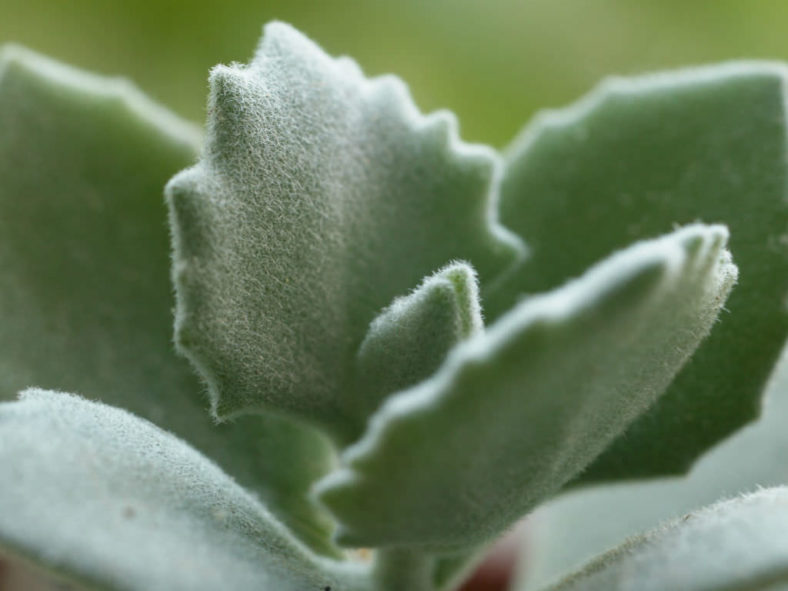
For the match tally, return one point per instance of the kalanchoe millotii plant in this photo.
(410, 342)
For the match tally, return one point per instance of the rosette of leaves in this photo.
(407, 342)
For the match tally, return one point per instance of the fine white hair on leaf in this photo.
(321, 196)
(524, 406)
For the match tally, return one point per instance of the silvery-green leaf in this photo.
(517, 411)
(100, 497)
(85, 292)
(629, 160)
(410, 339)
(735, 545)
(575, 527)
(321, 196)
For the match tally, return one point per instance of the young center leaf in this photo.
(410, 339)
(517, 411)
(85, 292)
(320, 196)
(735, 545)
(634, 157)
(100, 497)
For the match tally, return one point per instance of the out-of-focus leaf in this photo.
(517, 411)
(101, 497)
(85, 294)
(735, 545)
(320, 197)
(575, 527)
(630, 159)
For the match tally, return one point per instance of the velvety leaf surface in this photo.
(104, 498)
(85, 292)
(411, 338)
(736, 545)
(575, 527)
(628, 161)
(517, 411)
(320, 196)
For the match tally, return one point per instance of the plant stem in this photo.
(403, 570)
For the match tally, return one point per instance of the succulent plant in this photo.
(407, 342)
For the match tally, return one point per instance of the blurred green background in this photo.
(493, 62)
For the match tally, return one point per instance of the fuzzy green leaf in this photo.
(517, 411)
(411, 338)
(101, 497)
(631, 159)
(85, 292)
(321, 195)
(736, 545)
(579, 525)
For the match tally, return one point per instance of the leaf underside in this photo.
(517, 411)
(635, 157)
(105, 499)
(735, 545)
(85, 292)
(320, 197)
(572, 529)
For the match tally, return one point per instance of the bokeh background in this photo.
(493, 62)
